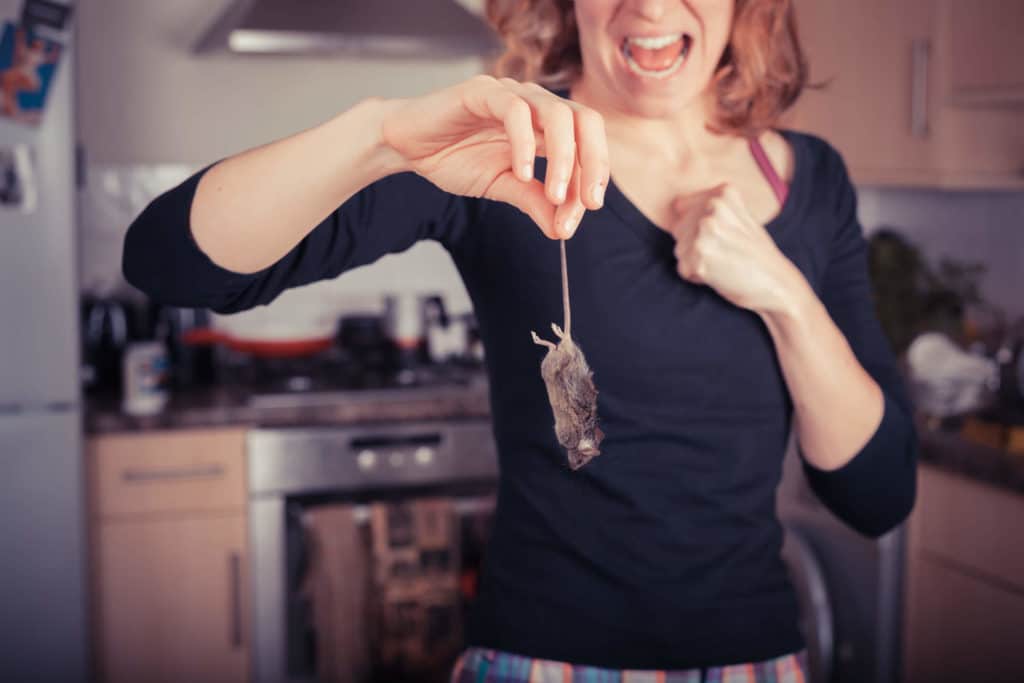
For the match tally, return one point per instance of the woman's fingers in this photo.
(592, 149)
(554, 119)
(529, 198)
(572, 138)
(571, 135)
(518, 121)
(558, 119)
(560, 146)
(517, 117)
(570, 212)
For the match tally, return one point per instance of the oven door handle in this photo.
(465, 506)
(388, 440)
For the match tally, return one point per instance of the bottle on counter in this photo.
(146, 374)
(403, 316)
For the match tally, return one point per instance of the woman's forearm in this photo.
(250, 209)
(838, 405)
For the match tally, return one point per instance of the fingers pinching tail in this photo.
(572, 139)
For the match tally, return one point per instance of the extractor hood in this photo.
(366, 28)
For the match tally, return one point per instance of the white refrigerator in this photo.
(43, 633)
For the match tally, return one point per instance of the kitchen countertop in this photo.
(953, 453)
(235, 406)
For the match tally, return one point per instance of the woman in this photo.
(720, 294)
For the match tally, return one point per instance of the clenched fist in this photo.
(719, 244)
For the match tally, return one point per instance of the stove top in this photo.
(331, 377)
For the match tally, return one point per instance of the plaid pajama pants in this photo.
(482, 665)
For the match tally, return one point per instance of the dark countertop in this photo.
(953, 453)
(222, 407)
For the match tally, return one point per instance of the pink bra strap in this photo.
(778, 184)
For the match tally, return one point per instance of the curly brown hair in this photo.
(761, 73)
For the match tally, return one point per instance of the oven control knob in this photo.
(423, 455)
(397, 459)
(366, 459)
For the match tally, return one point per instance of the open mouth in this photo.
(656, 56)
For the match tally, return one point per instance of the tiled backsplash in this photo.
(972, 226)
(985, 227)
(115, 194)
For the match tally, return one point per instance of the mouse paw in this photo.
(542, 342)
(558, 330)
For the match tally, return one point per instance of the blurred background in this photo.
(303, 492)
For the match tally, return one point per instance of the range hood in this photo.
(366, 28)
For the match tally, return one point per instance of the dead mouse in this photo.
(571, 390)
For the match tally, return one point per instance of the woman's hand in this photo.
(480, 137)
(719, 244)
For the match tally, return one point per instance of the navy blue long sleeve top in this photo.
(664, 551)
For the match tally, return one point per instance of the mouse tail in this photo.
(566, 313)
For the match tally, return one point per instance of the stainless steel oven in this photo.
(292, 470)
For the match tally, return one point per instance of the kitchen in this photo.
(169, 474)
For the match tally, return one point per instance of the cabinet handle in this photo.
(920, 56)
(235, 599)
(200, 472)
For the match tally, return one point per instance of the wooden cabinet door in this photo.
(980, 129)
(963, 627)
(873, 58)
(986, 65)
(170, 600)
(964, 582)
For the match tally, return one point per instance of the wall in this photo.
(965, 226)
(151, 112)
(144, 98)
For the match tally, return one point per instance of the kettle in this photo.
(108, 325)
(190, 365)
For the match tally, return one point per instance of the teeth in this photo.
(655, 43)
(663, 73)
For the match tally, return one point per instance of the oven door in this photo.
(285, 640)
(294, 471)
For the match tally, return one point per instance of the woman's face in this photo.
(653, 57)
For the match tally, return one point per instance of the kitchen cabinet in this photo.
(168, 527)
(865, 54)
(888, 74)
(170, 599)
(987, 67)
(964, 582)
